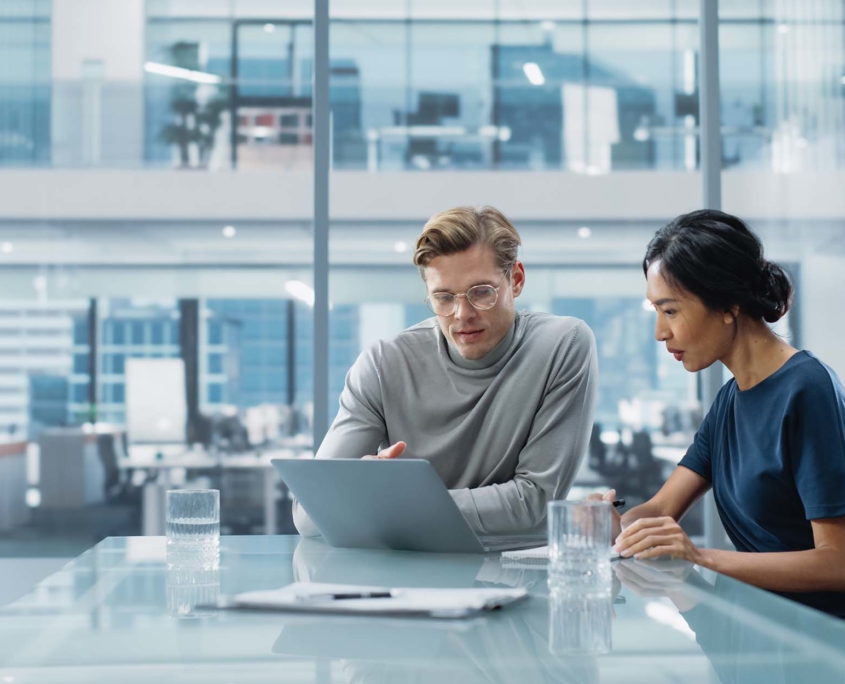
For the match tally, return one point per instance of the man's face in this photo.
(472, 332)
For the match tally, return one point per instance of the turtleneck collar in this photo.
(486, 361)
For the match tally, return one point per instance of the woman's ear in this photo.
(731, 315)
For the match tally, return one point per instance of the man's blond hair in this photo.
(457, 229)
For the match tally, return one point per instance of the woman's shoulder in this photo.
(808, 377)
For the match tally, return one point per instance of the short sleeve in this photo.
(699, 457)
(816, 441)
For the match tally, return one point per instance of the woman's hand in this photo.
(616, 525)
(656, 537)
(653, 578)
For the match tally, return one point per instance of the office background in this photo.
(156, 199)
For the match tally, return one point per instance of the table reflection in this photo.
(509, 645)
(746, 639)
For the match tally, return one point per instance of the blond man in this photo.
(500, 402)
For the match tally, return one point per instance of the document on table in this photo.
(539, 556)
(525, 557)
(302, 597)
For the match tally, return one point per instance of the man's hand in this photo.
(655, 537)
(392, 451)
(616, 525)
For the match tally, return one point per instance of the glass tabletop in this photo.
(118, 614)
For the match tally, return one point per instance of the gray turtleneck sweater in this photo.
(506, 432)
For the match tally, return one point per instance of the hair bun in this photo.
(776, 295)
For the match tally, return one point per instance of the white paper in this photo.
(436, 602)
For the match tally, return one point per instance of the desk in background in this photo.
(160, 462)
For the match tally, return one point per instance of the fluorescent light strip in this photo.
(179, 72)
(533, 73)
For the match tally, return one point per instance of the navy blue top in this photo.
(775, 455)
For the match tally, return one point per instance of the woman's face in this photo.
(695, 335)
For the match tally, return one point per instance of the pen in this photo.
(619, 503)
(347, 595)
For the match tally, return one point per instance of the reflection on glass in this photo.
(578, 623)
(192, 590)
(748, 635)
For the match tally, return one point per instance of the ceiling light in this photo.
(179, 72)
(533, 73)
(400, 247)
(647, 305)
(584, 232)
(641, 133)
(7, 248)
(299, 290)
(783, 28)
(269, 28)
(547, 25)
(229, 231)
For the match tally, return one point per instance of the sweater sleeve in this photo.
(359, 428)
(552, 454)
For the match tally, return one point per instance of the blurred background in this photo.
(156, 233)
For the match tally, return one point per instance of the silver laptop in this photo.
(386, 504)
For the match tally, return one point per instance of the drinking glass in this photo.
(193, 527)
(580, 546)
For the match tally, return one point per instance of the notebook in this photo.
(301, 597)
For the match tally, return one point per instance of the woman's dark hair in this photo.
(719, 259)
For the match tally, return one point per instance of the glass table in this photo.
(117, 614)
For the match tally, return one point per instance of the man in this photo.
(500, 403)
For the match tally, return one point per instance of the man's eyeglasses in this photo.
(482, 297)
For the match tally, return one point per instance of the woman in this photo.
(772, 446)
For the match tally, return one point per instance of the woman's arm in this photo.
(675, 498)
(819, 569)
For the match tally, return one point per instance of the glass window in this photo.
(80, 363)
(114, 364)
(215, 363)
(118, 332)
(215, 393)
(80, 393)
(80, 330)
(137, 333)
(215, 332)
(157, 332)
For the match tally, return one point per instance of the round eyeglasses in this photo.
(482, 297)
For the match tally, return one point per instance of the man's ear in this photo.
(517, 278)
